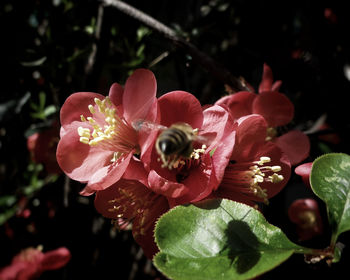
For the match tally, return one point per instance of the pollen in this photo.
(107, 130)
(249, 177)
(181, 162)
(271, 133)
(129, 204)
(260, 175)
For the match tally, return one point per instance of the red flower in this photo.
(192, 178)
(31, 263)
(97, 137)
(258, 169)
(133, 202)
(306, 215)
(277, 110)
(304, 171)
(42, 147)
(150, 184)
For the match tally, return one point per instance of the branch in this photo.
(92, 57)
(214, 68)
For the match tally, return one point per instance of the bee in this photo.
(175, 142)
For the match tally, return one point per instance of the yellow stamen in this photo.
(271, 133)
(91, 109)
(258, 174)
(108, 130)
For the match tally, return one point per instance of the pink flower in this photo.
(98, 140)
(258, 169)
(31, 263)
(192, 178)
(306, 215)
(150, 184)
(42, 147)
(304, 171)
(132, 201)
(277, 110)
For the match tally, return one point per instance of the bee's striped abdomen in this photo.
(172, 141)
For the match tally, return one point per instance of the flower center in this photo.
(109, 131)
(271, 133)
(128, 206)
(183, 165)
(308, 219)
(247, 177)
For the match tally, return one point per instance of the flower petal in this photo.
(56, 258)
(79, 161)
(139, 95)
(116, 96)
(77, 105)
(198, 182)
(218, 121)
(278, 158)
(275, 107)
(276, 85)
(239, 104)
(165, 187)
(180, 106)
(250, 136)
(304, 171)
(105, 199)
(228, 192)
(136, 171)
(143, 226)
(266, 80)
(147, 138)
(109, 174)
(295, 144)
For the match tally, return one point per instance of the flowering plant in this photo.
(144, 158)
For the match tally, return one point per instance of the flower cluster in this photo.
(142, 155)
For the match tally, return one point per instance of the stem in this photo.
(316, 255)
(214, 68)
(92, 57)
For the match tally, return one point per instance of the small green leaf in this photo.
(7, 200)
(330, 181)
(7, 215)
(49, 110)
(219, 239)
(34, 63)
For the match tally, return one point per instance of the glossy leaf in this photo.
(219, 239)
(330, 180)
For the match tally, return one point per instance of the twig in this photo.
(66, 189)
(214, 68)
(92, 57)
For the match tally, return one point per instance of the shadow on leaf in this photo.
(242, 246)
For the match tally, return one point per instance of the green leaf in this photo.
(34, 63)
(219, 239)
(7, 200)
(7, 215)
(49, 110)
(330, 181)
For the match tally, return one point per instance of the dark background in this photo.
(44, 54)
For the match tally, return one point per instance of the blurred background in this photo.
(52, 48)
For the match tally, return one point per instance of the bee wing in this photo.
(143, 125)
(206, 139)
